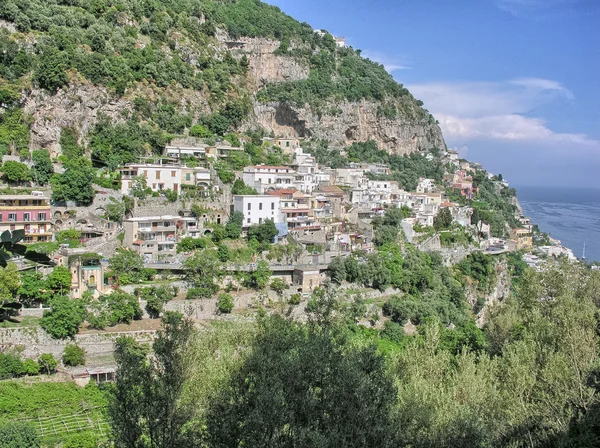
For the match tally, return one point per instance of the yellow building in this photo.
(522, 237)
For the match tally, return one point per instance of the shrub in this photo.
(64, 319)
(47, 363)
(225, 303)
(19, 435)
(73, 355)
(10, 366)
(295, 299)
(278, 285)
(30, 367)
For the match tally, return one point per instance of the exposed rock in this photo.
(357, 122)
(78, 106)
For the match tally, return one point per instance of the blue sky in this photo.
(515, 84)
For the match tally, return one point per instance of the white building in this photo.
(263, 177)
(177, 152)
(158, 177)
(425, 185)
(258, 208)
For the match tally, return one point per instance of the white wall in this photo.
(257, 209)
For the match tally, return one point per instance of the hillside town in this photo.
(327, 211)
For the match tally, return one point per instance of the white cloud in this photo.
(496, 110)
(390, 63)
(521, 7)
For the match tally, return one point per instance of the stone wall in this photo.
(35, 341)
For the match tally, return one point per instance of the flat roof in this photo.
(22, 196)
(156, 218)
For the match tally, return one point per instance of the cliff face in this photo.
(80, 104)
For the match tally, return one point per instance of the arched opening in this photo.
(57, 214)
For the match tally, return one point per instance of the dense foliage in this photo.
(526, 379)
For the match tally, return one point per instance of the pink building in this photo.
(28, 212)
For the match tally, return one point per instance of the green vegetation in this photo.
(15, 172)
(128, 267)
(64, 318)
(19, 435)
(73, 355)
(60, 412)
(112, 309)
(156, 297)
(444, 385)
(225, 303)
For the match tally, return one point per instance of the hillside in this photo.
(127, 76)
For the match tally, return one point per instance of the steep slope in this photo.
(154, 68)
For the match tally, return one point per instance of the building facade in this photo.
(30, 213)
(158, 177)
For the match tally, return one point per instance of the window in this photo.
(260, 205)
(12, 217)
(157, 175)
(26, 217)
(260, 220)
(145, 173)
(272, 205)
(248, 221)
(0, 217)
(249, 206)
(287, 144)
(187, 176)
(41, 216)
(173, 173)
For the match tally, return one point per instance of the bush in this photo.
(64, 318)
(47, 363)
(225, 303)
(295, 299)
(73, 355)
(30, 367)
(10, 366)
(278, 285)
(18, 435)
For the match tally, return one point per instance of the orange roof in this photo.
(332, 189)
(282, 192)
(447, 204)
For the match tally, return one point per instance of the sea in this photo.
(571, 215)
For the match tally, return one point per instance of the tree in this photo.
(32, 287)
(278, 285)
(263, 233)
(50, 71)
(30, 367)
(47, 363)
(233, 228)
(239, 187)
(75, 184)
(304, 386)
(337, 270)
(19, 435)
(64, 318)
(127, 266)
(73, 355)
(225, 303)
(145, 405)
(16, 172)
(42, 169)
(156, 297)
(200, 131)
(59, 280)
(443, 220)
(200, 271)
(9, 287)
(139, 187)
(259, 277)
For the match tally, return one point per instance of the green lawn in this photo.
(25, 321)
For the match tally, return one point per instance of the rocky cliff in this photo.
(122, 59)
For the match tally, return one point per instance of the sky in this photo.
(514, 84)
